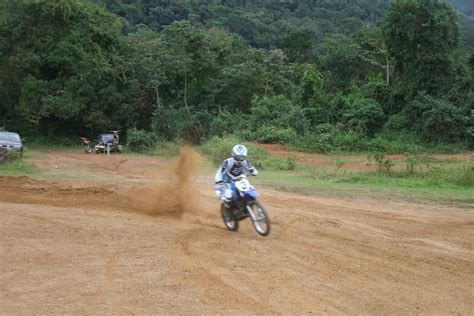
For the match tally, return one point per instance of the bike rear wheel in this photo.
(229, 219)
(260, 219)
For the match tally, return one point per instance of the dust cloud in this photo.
(177, 193)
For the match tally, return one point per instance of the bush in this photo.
(168, 149)
(226, 123)
(326, 137)
(383, 165)
(140, 140)
(173, 123)
(271, 135)
(278, 112)
(323, 139)
(443, 122)
(363, 115)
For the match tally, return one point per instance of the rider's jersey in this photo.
(229, 170)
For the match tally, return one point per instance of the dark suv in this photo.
(11, 141)
(104, 140)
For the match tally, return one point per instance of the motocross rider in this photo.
(230, 169)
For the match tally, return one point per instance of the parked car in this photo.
(104, 140)
(11, 141)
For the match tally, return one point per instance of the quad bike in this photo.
(244, 205)
(86, 143)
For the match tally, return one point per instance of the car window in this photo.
(106, 138)
(13, 137)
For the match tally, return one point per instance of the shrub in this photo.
(326, 137)
(173, 123)
(271, 135)
(383, 165)
(279, 112)
(227, 123)
(140, 140)
(411, 162)
(363, 115)
(315, 142)
(168, 149)
(443, 121)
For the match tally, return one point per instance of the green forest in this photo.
(318, 75)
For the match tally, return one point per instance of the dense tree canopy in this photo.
(270, 71)
(61, 66)
(422, 38)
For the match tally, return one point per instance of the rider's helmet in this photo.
(239, 153)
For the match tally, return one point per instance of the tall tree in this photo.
(422, 38)
(62, 65)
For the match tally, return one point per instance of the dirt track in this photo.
(116, 237)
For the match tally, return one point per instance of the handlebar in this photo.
(241, 177)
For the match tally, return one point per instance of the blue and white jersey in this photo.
(230, 170)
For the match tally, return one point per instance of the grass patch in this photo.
(329, 183)
(440, 181)
(417, 177)
(17, 166)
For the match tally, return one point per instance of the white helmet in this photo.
(239, 152)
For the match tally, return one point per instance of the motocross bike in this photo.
(244, 205)
(86, 143)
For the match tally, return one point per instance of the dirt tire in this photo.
(229, 220)
(262, 225)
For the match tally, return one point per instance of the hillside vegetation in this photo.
(317, 75)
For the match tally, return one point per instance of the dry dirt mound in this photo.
(32, 191)
(175, 193)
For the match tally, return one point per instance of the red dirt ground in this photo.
(127, 235)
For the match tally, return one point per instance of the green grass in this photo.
(418, 177)
(453, 188)
(17, 166)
